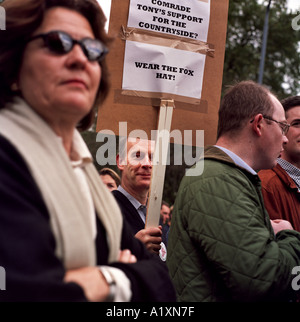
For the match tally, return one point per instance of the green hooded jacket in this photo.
(221, 244)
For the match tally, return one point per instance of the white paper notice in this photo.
(162, 69)
(183, 18)
(152, 68)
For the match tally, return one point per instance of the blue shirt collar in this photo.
(237, 160)
(136, 204)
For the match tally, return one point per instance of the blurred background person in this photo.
(110, 178)
(164, 221)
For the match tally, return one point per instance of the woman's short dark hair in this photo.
(241, 102)
(22, 19)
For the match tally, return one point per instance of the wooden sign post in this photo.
(159, 163)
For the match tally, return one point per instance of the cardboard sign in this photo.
(165, 50)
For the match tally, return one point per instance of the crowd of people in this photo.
(69, 233)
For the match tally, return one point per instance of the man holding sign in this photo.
(135, 163)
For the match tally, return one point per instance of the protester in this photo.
(110, 178)
(281, 184)
(221, 244)
(53, 246)
(135, 163)
(171, 213)
(164, 221)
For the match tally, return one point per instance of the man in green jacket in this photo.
(221, 244)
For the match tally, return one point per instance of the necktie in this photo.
(144, 210)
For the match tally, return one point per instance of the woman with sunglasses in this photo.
(62, 237)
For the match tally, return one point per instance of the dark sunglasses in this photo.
(59, 42)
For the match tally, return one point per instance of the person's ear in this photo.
(14, 87)
(120, 164)
(257, 124)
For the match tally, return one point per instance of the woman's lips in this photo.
(75, 82)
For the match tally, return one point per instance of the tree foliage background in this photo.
(244, 41)
(242, 58)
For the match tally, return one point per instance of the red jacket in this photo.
(281, 196)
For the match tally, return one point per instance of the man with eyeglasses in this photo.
(281, 184)
(221, 232)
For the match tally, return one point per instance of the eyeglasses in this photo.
(284, 126)
(59, 42)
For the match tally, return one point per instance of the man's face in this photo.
(291, 151)
(274, 139)
(165, 213)
(136, 173)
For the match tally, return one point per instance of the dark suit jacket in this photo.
(27, 245)
(129, 212)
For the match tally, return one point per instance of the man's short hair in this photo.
(290, 102)
(164, 203)
(241, 102)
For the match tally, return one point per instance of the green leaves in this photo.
(244, 41)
